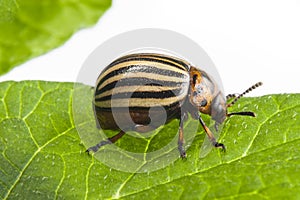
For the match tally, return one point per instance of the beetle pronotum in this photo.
(132, 85)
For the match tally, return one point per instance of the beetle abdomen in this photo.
(139, 82)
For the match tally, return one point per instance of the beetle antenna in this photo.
(241, 95)
(230, 96)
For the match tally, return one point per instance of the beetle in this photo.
(132, 85)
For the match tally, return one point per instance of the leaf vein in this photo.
(30, 161)
(263, 123)
(34, 108)
(4, 98)
(62, 178)
(201, 171)
(87, 178)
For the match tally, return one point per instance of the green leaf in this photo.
(43, 157)
(32, 27)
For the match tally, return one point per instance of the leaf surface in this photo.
(43, 157)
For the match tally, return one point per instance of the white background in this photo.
(248, 41)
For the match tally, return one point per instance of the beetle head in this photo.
(206, 96)
(209, 99)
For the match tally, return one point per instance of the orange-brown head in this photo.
(206, 95)
(209, 99)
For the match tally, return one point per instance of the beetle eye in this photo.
(203, 103)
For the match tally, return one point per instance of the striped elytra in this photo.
(141, 77)
(140, 92)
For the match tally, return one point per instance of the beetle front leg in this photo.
(211, 136)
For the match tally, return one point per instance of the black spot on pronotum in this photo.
(195, 79)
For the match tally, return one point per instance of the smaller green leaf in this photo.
(30, 28)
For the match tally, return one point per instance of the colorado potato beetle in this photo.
(131, 86)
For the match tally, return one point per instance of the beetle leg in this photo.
(181, 138)
(211, 135)
(110, 140)
(181, 141)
